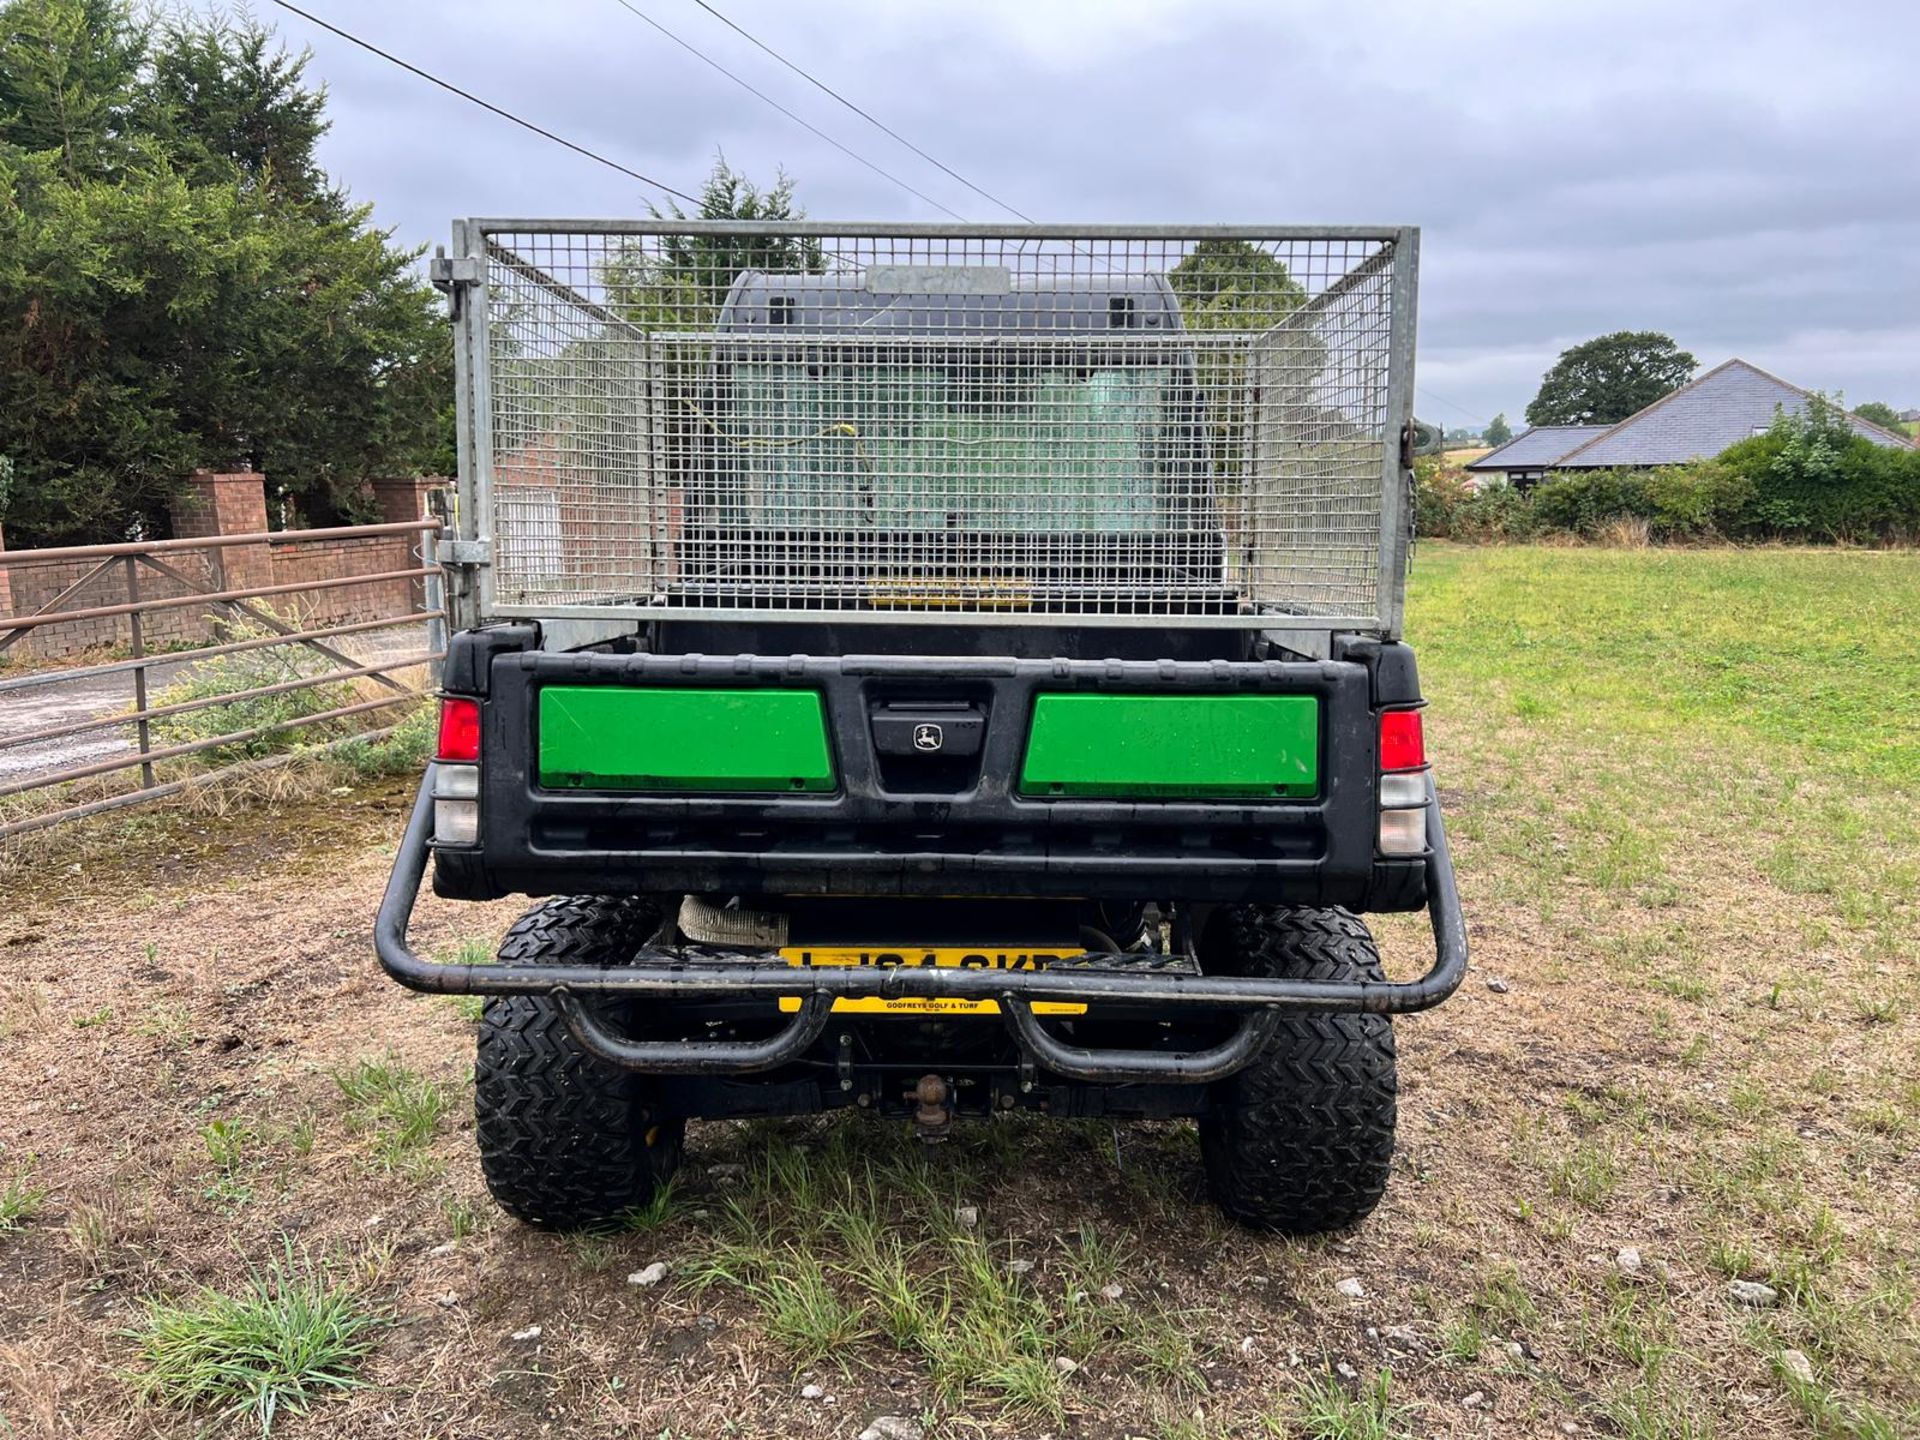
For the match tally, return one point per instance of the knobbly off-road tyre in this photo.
(567, 1142)
(1301, 1141)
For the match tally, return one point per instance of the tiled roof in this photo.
(1537, 448)
(1723, 406)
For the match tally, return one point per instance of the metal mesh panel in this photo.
(779, 421)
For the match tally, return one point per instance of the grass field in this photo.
(1682, 786)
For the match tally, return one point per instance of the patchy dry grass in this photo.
(396, 1105)
(20, 1198)
(1682, 787)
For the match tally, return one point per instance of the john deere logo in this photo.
(928, 737)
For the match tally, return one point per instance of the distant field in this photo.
(1803, 658)
(1684, 788)
(1467, 455)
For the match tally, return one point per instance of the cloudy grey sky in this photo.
(1744, 176)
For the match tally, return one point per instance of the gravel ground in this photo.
(40, 706)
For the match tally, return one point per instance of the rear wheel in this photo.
(566, 1140)
(1301, 1140)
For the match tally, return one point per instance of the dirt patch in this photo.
(1688, 1054)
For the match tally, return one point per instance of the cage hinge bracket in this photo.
(453, 275)
(464, 554)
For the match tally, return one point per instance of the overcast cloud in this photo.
(1743, 176)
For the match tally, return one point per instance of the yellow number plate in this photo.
(984, 957)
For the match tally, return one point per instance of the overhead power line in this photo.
(1422, 390)
(471, 98)
(871, 119)
(851, 154)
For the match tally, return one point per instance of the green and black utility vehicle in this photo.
(940, 671)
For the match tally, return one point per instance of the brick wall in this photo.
(224, 505)
(34, 585)
(227, 505)
(331, 559)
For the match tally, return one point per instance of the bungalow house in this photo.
(1527, 457)
(1700, 419)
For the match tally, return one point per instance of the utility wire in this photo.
(485, 104)
(761, 94)
(1421, 390)
(871, 119)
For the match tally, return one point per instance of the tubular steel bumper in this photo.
(667, 974)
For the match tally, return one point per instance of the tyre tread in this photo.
(563, 1137)
(1301, 1141)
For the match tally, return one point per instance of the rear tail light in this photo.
(1402, 746)
(456, 773)
(1403, 784)
(1399, 790)
(459, 729)
(1403, 832)
(456, 822)
(457, 782)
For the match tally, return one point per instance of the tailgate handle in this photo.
(937, 728)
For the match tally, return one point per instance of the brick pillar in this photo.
(405, 498)
(227, 505)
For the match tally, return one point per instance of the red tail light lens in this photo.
(459, 729)
(1402, 747)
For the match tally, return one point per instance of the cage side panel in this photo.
(465, 606)
(1396, 514)
(1319, 434)
(576, 494)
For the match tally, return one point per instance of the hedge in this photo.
(1808, 478)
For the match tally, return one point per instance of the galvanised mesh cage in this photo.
(939, 423)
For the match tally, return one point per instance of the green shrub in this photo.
(1496, 512)
(1584, 501)
(234, 674)
(1439, 490)
(403, 750)
(1810, 477)
(1446, 505)
(1695, 502)
(1677, 502)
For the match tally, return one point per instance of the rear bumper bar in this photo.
(667, 974)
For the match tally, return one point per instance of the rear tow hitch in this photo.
(933, 1112)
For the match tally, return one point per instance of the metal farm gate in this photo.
(1122, 425)
(108, 747)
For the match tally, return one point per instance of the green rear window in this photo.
(1168, 746)
(1026, 447)
(610, 737)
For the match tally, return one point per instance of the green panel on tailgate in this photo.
(610, 737)
(1173, 745)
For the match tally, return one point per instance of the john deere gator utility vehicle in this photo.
(939, 671)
